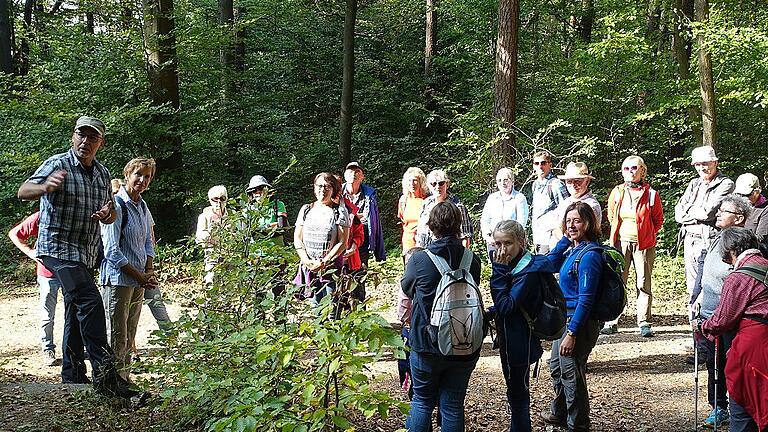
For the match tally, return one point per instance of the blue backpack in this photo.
(611, 296)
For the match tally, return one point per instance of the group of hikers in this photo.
(85, 221)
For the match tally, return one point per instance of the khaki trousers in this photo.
(642, 260)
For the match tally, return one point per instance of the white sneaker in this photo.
(49, 358)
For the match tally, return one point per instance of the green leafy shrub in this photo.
(250, 356)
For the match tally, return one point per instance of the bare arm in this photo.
(20, 243)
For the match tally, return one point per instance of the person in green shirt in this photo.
(258, 191)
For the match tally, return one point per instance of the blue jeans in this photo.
(436, 379)
(84, 323)
(49, 294)
(740, 420)
(157, 307)
(518, 397)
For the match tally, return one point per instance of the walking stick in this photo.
(695, 384)
(717, 346)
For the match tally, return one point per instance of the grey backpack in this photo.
(456, 318)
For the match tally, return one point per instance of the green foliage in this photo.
(250, 356)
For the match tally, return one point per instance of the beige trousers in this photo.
(642, 260)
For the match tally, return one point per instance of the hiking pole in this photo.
(695, 384)
(717, 410)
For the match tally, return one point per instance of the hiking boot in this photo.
(550, 418)
(719, 415)
(645, 331)
(49, 357)
(609, 329)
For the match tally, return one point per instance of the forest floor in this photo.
(635, 383)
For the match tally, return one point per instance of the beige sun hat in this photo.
(703, 154)
(746, 184)
(576, 170)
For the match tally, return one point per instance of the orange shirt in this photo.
(409, 210)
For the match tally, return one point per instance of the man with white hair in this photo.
(438, 183)
(697, 209)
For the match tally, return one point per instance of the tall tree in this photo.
(706, 83)
(505, 81)
(430, 38)
(587, 20)
(231, 56)
(681, 47)
(348, 82)
(162, 63)
(6, 35)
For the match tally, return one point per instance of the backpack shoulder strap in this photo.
(466, 260)
(758, 272)
(440, 263)
(575, 267)
(124, 220)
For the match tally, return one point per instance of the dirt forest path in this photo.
(636, 384)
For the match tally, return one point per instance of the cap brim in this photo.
(703, 161)
(567, 177)
(89, 127)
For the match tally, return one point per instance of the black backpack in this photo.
(549, 322)
(611, 296)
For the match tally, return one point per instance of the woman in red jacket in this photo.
(743, 308)
(636, 216)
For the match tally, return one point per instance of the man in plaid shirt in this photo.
(75, 195)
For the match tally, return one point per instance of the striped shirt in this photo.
(133, 248)
(67, 231)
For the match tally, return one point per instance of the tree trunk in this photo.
(159, 34)
(89, 24)
(430, 38)
(6, 31)
(706, 83)
(505, 80)
(347, 87)
(653, 18)
(683, 11)
(587, 20)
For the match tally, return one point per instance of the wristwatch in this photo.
(570, 333)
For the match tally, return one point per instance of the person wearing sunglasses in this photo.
(505, 204)
(439, 183)
(748, 186)
(548, 192)
(636, 216)
(259, 190)
(696, 210)
(210, 217)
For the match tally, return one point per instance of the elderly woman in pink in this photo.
(211, 215)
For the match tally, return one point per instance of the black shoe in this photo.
(551, 418)
(113, 385)
(81, 380)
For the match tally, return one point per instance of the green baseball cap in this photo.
(91, 122)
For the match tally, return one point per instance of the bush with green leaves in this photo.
(251, 356)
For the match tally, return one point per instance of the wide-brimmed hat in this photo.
(576, 170)
(746, 184)
(703, 154)
(256, 182)
(91, 122)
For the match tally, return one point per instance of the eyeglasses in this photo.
(440, 183)
(323, 186)
(537, 163)
(218, 199)
(729, 211)
(630, 168)
(84, 137)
